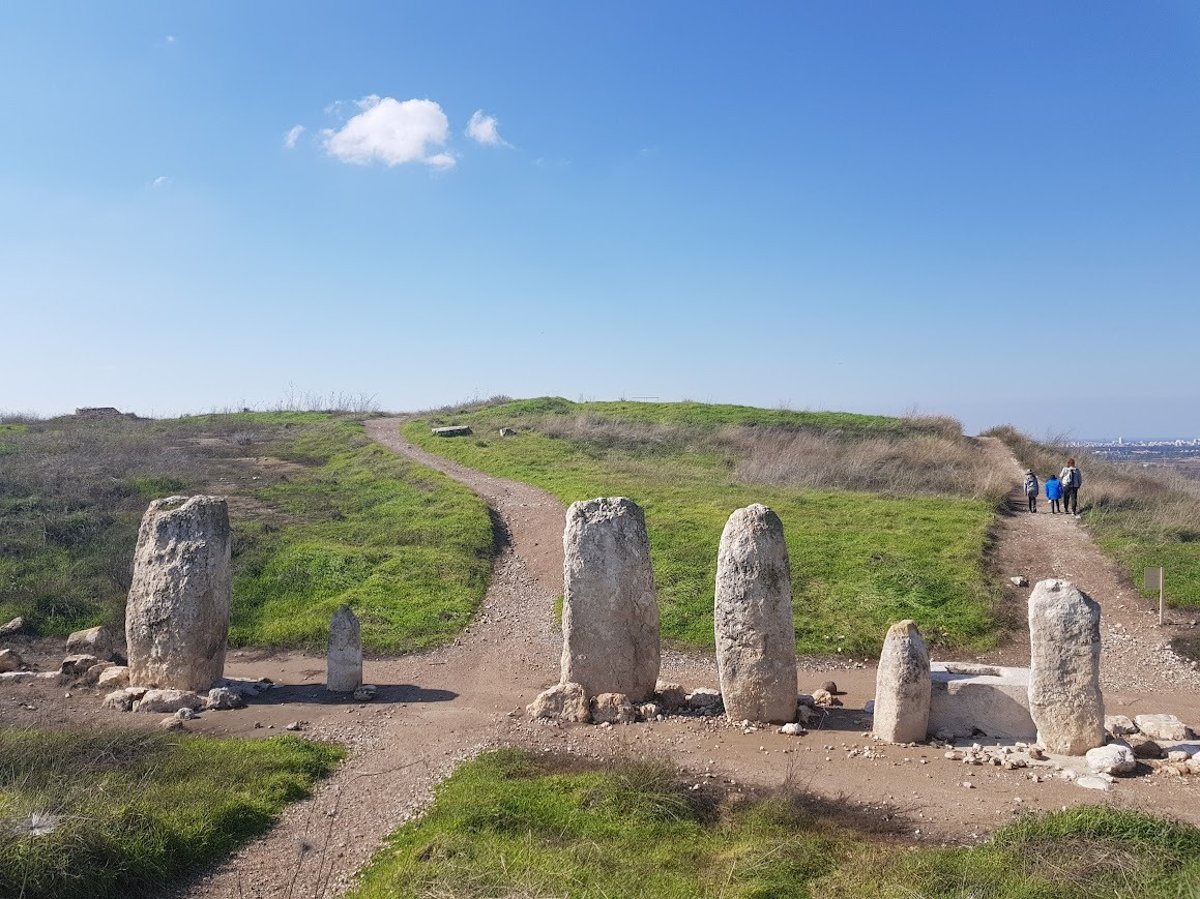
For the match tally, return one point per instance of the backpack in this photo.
(1031, 485)
(1074, 478)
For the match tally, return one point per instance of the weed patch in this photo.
(119, 814)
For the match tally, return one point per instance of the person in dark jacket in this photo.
(1053, 493)
(1031, 489)
(1072, 480)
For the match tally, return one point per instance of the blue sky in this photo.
(991, 211)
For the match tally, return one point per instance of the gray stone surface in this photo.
(168, 701)
(96, 641)
(610, 611)
(1114, 758)
(344, 659)
(452, 431)
(10, 660)
(177, 619)
(562, 702)
(613, 708)
(752, 616)
(1064, 672)
(1162, 727)
(902, 686)
(76, 666)
(969, 699)
(12, 626)
(111, 678)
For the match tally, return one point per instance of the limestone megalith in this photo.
(1064, 668)
(177, 618)
(902, 686)
(343, 660)
(610, 611)
(752, 619)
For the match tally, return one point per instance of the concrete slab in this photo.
(969, 699)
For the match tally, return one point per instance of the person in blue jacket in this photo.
(1053, 493)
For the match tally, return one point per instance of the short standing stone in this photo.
(1162, 727)
(613, 708)
(111, 678)
(902, 686)
(177, 619)
(563, 702)
(96, 641)
(752, 615)
(222, 699)
(610, 612)
(1064, 669)
(343, 662)
(672, 697)
(76, 666)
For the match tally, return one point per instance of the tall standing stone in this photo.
(343, 661)
(902, 686)
(752, 618)
(1064, 668)
(177, 619)
(610, 611)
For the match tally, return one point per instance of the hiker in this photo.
(1072, 480)
(1031, 489)
(1054, 492)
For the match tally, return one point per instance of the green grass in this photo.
(321, 516)
(860, 561)
(512, 824)
(136, 811)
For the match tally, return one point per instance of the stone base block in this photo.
(972, 699)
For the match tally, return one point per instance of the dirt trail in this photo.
(438, 707)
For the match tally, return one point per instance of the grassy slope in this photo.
(138, 810)
(343, 521)
(516, 825)
(860, 561)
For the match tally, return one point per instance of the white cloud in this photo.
(393, 132)
(485, 129)
(160, 181)
(293, 135)
(170, 38)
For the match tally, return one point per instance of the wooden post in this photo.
(1161, 604)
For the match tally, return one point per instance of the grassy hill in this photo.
(886, 518)
(321, 515)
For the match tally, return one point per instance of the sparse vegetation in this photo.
(877, 549)
(1140, 517)
(513, 824)
(102, 814)
(322, 515)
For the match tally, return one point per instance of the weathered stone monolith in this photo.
(343, 661)
(610, 611)
(177, 619)
(752, 616)
(902, 686)
(1064, 668)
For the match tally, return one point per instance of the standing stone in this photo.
(902, 686)
(752, 616)
(1064, 668)
(610, 612)
(343, 661)
(177, 619)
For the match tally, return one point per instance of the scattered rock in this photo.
(1147, 749)
(1111, 759)
(171, 723)
(10, 661)
(177, 618)
(1092, 782)
(705, 699)
(343, 659)
(96, 641)
(113, 677)
(613, 708)
(12, 627)
(167, 701)
(823, 698)
(295, 725)
(1064, 672)
(610, 610)
(507, 432)
(902, 686)
(672, 697)
(76, 666)
(452, 431)
(649, 711)
(1019, 580)
(1119, 725)
(93, 674)
(793, 730)
(223, 699)
(186, 714)
(1162, 727)
(562, 702)
(119, 700)
(752, 613)
(365, 693)
(869, 708)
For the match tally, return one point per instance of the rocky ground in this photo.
(433, 709)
